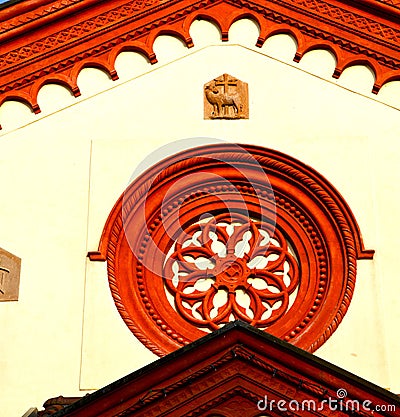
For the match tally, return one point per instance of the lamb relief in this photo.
(226, 97)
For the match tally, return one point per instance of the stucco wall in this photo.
(62, 171)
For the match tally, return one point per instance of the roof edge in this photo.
(222, 334)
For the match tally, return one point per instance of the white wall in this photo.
(62, 171)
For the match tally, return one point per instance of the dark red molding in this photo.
(230, 373)
(46, 41)
(148, 218)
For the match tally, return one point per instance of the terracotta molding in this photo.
(328, 13)
(227, 373)
(226, 360)
(42, 15)
(21, 8)
(388, 7)
(93, 33)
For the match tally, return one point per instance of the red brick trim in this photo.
(51, 41)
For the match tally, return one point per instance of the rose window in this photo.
(220, 270)
(227, 232)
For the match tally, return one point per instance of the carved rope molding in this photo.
(56, 39)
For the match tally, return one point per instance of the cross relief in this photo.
(226, 81)
(226, 97)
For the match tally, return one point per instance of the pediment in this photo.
(235, 371)
(51, 41)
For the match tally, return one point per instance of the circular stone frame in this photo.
(148, 217)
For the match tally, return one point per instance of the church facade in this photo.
(170, 167)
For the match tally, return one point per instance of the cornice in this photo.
(392, 3)
(51, 41)
(234, 363)
(26, 14)
(385, 6)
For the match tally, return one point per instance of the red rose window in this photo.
(226, 232)
(222, 269)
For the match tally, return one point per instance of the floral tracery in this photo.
(231, 267)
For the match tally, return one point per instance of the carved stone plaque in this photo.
(226, 97)
(10, 268)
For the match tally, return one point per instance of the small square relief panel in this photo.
(10, 268)
(226, 97)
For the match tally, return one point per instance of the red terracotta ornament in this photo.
(234, 372)
(225, 232)
(51, 41)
